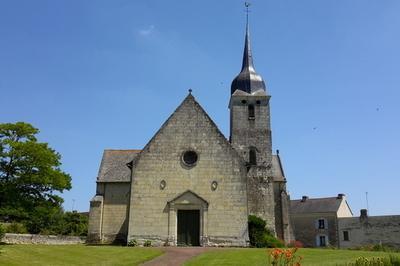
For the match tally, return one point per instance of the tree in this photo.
(30, 173)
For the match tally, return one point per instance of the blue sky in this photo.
(97, 74)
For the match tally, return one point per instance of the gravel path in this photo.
(175, 256)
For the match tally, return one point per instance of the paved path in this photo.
(175, 256)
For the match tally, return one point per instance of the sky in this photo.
(95, 75)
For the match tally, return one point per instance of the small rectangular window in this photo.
(251, 111)
(321, 224)
(346, 235)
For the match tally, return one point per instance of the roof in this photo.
(277, 169)
(331, 204)
(113, 167)
(248, 80)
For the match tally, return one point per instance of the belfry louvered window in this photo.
(251, 111)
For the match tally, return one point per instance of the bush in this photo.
(16, 228)
(147, 243)
(295, 244)
(362, 261)
(260, 236)
(132, 243)
(2, 232)
(377, 247)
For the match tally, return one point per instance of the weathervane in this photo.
(247, 5)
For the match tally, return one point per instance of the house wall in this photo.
(306, 230)
(370, 230)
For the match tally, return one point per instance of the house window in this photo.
(322, 241)
(321, 224)
(346, 235)
(251, 111)
(252, 156)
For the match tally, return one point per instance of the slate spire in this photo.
(247, 80)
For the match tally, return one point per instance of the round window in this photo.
(190, 158)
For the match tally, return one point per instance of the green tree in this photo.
(30, 174)
(74, 224)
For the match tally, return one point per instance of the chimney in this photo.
(341, 196)
(304, 198)
(363, 213)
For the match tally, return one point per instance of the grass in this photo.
(74, 255)
(259, 257)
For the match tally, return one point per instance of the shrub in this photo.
(376, 261)
(377, 247)
(295, 244)
(132, 243)
(261, 237)
(16, 228)
(2, 232)
(147, 243)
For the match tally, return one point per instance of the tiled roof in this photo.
(315, 205)
(114, 167)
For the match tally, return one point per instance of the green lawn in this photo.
(74, 255)
(259, 257)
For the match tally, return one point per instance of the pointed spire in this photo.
(247, 56)
(247, 80)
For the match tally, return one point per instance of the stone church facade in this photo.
(190, 185)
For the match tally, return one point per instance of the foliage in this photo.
(30, 173)
(74, 223)
(147, 243)
(2, 232)
(374, 261)
(132, 243)
(44, 220)
(16, 228)
(57, 255)
(260, 236)
(377, 247)
(284, 257)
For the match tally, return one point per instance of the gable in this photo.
(189, 126)
(344, 210)
(189, 197)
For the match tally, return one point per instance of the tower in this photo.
(250, 135)
(250, 130)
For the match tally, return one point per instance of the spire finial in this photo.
(247, 80)
(247, 5)
(190, 91)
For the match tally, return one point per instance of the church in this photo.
(190, 185)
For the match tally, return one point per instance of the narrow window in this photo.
(346, 235)
(251, 111)
(321, 224)
(252, 156)
(322, 241)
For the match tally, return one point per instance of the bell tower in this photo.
(250, 130)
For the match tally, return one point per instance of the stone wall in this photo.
(260, 189)
(251, 132)
(152, 217)
(108, 217)
(42, 239)
(306, 229)
(370, 230)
